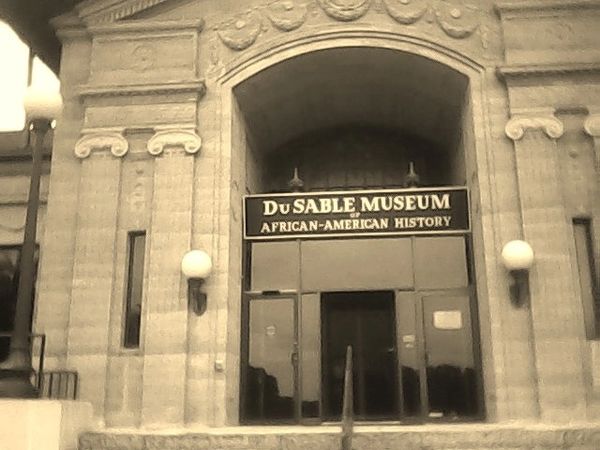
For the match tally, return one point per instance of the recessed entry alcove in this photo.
(355, 119)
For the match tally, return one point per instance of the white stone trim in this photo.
(112, 140)
(531, 120)
(592, 124)
(187, 139)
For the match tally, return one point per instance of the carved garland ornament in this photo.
(345, 10)
(287, 15)
(187, 139)
(457, 19)
(517, 125)
(240, 32)
(114, 141)
(406, 12)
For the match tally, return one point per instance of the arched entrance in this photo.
(358, 119)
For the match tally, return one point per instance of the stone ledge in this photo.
(432, 437)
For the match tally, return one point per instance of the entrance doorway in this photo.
(365, 321)
(411, 323)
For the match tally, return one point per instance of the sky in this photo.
(14, 55)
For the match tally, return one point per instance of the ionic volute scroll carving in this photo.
(114, 141)
(184, 139)
(591, 125)
(534, 120)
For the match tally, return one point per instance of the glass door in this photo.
(271, 360)
(450, 365)
(365, 321)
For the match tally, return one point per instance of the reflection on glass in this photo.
(9, 283)
(409, 353)
(451, 376)
(450, 268)
(274, 266)
(270, 372)
(135, 285)
(8, 295)
(348, 264)
(311, 355)
(365, 321)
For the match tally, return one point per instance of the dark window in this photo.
(582, 230)
(10, 259)
(135, 286)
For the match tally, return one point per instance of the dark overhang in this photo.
(31, 21)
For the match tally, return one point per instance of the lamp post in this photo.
(15, 373)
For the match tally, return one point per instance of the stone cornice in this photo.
(543, 119)
(197, 86)
(68, 26)
(147, 25)
(95, 12)
(512, 8)
(516, 72)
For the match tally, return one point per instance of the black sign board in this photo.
(356, 213)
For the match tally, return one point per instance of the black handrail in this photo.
(348, 403)
(40, 353)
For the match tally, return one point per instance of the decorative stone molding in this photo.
(592, 125)
(345, 10)
(456, 20)
(287, 15)
(186, 139)
(510, 8)
(544, 120)
(516, 72)
(241, 31)
(112, 140)
(194, 86)
(406, 12)
(105, 11)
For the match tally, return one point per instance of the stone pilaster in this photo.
(169, 237)
(592, 128)
(556, 316)
(93, 269)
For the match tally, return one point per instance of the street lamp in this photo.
(518, 257)
(196, 266)
(15, 372)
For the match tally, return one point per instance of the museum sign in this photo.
(356, 213)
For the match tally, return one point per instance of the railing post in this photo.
(348, 403)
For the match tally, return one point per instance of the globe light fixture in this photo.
(196, 266)
(41, 108)
(518, 258)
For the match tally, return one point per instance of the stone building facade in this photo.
(175, 109)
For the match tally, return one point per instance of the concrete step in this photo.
(426, 437)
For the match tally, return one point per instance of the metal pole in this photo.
(15, 372)
(348, 403)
